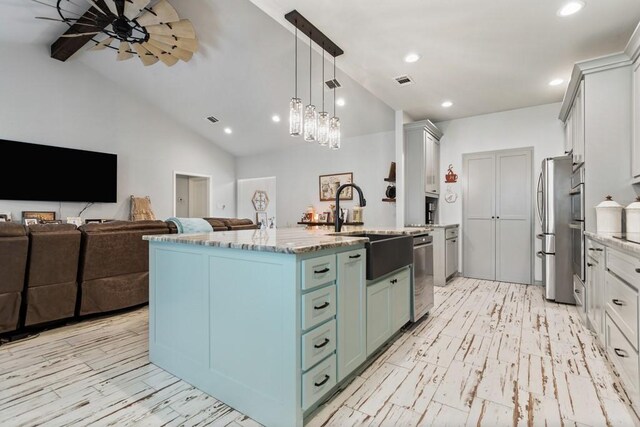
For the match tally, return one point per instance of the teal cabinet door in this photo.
(352, 297)
(378, 314)
(401, 300)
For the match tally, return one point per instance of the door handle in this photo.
(540, 254)
(589, 264)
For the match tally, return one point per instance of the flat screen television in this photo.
(46, 173)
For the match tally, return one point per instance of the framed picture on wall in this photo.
(39, 215)
(329, 185)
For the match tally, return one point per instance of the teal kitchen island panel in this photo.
(228, 322)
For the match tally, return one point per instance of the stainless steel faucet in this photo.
(363, 203)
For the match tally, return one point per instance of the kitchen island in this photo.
(268, 321)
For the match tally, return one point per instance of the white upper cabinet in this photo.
(568, 134)
(635, 159)
(578, 127)
(432, 163)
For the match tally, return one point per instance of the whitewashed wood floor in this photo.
(490, 354)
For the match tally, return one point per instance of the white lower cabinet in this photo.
(388, 308)
(613, 281)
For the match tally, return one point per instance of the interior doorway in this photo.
(191, 195)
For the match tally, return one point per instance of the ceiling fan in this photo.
(152, 33)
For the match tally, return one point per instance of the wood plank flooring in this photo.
(490, 354)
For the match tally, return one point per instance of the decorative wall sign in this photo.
(152, 33)
(329, 184)
(260, 200)
(450, 177)
(450, 196)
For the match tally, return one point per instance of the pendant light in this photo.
(323, 117)
(310, 113)
(334, 122)
(295, 106)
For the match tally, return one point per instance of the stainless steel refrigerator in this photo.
(554, 215)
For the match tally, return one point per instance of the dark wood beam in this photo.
(316, 35)
(63, 48)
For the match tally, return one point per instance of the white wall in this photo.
(246, 190)
(298, 169)
(536, 127)
(48, 102)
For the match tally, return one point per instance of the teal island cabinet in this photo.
(269, 322)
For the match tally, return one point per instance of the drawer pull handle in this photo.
(354, 256)
(394, 281)
(620, 352)
(324, 270)
(577, 291)
(321, 307)
(323, 382)
(326, 341)
(589, 264)
(599, 249)
(637, 270)
(617, 302)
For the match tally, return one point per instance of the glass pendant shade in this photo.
(323, 128)
(295, 117)
(310, 123)
(334, 133)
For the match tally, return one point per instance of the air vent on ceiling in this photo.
(404, 80)
(333, 84)
(212, 119)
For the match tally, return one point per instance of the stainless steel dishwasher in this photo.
(422, 283)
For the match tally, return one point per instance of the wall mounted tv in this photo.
(45, 173)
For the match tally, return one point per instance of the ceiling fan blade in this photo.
(93, 4)
(166, 58)
(124, 52)
(182, 28)
(161, 13)
(132, 8)
(182, 42)
(112, 6)
(80, 34)
(182, 54)
(103, 44)
(145, 56)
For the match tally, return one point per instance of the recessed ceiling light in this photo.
(228, 131)
(276, 118)
(340, 102)
(556, 82)
(570, 8)
(447, 104)
(411, 58)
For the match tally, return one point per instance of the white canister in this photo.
(609, 216)
(632, 213)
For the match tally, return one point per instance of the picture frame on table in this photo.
(53, 221)
(75, 220)
(262, 219)
(5, 216)
(329, 184)
(31, 221)
(39, 215)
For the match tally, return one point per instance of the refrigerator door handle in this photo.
(539, 199)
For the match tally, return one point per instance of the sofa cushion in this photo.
(12, 229)
(113, 226)
(53, 254)
(217, 224)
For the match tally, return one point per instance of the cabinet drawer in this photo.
(318, 306)
(318, 271)
(450, 233)
(624, 266)
(622, 354)
(595, 250)
(622, 306)
(318, 381)
(318, 344)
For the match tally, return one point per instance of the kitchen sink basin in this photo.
(386, 253)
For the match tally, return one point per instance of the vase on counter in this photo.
(632, 214)
(609, 216)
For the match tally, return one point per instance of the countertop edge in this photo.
(609, 240)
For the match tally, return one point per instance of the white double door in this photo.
(497, 216)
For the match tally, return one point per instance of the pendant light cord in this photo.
(323, 78)
(334, 86)
(296, 60)
(310, 71)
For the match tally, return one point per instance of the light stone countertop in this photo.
(283, 240)
(607, 239)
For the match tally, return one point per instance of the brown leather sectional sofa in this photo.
(53, 273)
